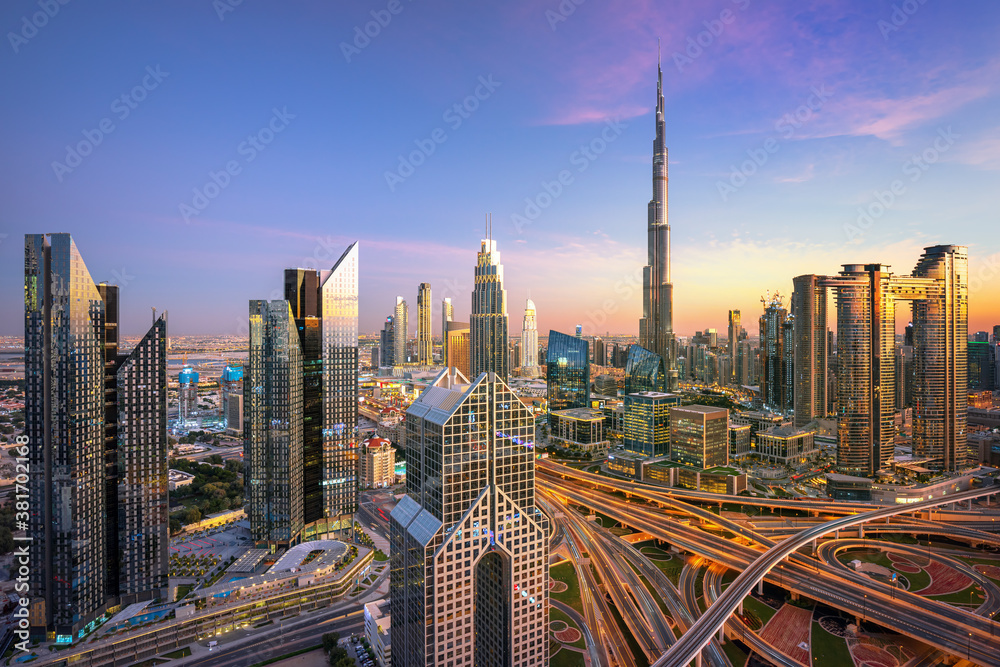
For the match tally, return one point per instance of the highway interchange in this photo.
(778, 553)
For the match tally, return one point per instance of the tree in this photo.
(193, 515)
(215, 458)
(234, 465)
(330, 640)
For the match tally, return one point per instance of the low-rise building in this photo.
(581, 430)
(178, 478)
(377, 630)
(786, 445)
(719, 479)
(847, 487)
(628, 464)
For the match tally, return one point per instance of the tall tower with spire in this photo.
(529, 341)
(488, 321)
(656, 328)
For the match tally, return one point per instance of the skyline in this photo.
(882, 96)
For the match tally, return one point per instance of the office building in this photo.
(425, 343)
(774, 374)
(740, 440)
(580, 430)
(98, 475)
(786, 445)
(447, 315)
(606, 385)
(644, 371)
(301, 407)
(488, 322)
(647, 422)
(459, 344)
(468, 548)
(600, 354)
(656, 328)
(231, 384)
(699, 436)
(981, 366)
(903, 367)
(233, 413)
(567, 373)
(810, 348)
(400, 331)
(387, 343)
(529, 342)
(187, 394)
(734, 341)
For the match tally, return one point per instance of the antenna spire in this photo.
(657, 53)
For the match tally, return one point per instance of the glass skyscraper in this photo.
(567, 372)
(810, 349)
(488, 322)
(529, 341)
(425, 346)
(468, 547)
(400, 331)
(699, 435)
(647, 422)
(775, 377)
(96, 423)
(644, 371)
(301, 410)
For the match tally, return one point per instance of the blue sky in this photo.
(822, 106)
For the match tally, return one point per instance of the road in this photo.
(936, 623)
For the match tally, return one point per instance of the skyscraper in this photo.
(387, 343)
(734, 341)
(447, 314)
(468, 547)
(273, 426)
(96, 421)
(773, 376)
(811, 362)
(866, 368)
(644, 371)
(567, 372)
(529, 341)
(488, 321)
(301, 409)
(600, 352)
(656, 328)
(425, 345)
(457, 341)
(400, 331)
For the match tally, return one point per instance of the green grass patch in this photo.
(961, 597)
(734, 653)
(566, 658)
(829, 649)
(759, 609)
(179, 653)
(566, 573)
(183, 590)
(557, 615)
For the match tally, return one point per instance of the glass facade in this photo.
(644, 371)
(488, 322)
(699, 436)
(810, 349)
(339, 296)
(425, 347)
(273, 426)
(775, 359)
(567, 372)
(143, 528)
(96, 423)
(468, 561)
(980, 366)
(647, 422)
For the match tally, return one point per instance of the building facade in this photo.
(400, 331)
(567, 372)
(735, 331)
(469, 548)
(644, 371)
(647, 422)
(96, 426)
(488, 322)
(699, 436)
(425, 341)
(458, 344)
(377, 463)
(786, 445)
(529, 342)
(810, 349)
(656, 327)
(775, 375)
(447, 315)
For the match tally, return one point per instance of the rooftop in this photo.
(702, 409)
(586, 414)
